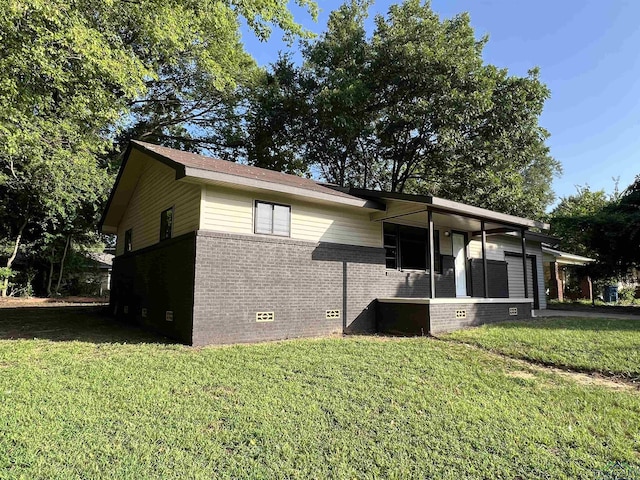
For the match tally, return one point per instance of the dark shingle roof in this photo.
(201, 162)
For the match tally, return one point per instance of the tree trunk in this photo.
(64, 256)
(50, 276)
(5, 282)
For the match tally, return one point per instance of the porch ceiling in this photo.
(416, 215)
(400, 205)
(453, 222)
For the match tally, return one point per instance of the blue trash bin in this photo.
(611, 293)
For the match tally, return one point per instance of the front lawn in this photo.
(332, 408)
(610, 347)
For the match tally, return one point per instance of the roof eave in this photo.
(449, 206)
(179, 169)
(110, 228)
(567, 258)
(199, 174)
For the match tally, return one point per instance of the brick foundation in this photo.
(442, 317)
(421, 318)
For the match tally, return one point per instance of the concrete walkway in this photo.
(584, 314)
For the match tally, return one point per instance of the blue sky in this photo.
(589, 56)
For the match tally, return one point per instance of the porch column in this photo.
(484, 259)
(586, 287)
(555, 283)
(524, 264)
(432, 256)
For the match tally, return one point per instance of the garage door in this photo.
(515, 275)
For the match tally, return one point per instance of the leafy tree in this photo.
(274, 130)
(414, 108)
(615, 231)
(570, 219)
(73, 74)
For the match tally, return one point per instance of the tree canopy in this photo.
(615, 231)
(411, 108)
(569, 220)
(604, 227)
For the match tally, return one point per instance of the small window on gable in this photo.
(128, 240)
(273, 219)
(166, 224)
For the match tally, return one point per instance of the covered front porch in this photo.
(458, 265)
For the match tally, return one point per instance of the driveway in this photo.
(584, 314)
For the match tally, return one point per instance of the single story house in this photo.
(210, 251)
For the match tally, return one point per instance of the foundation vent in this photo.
(332, 314)
(265, 316)
(168, 316)
(513, 311)
(461, 314)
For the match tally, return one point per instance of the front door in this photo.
(458, 242)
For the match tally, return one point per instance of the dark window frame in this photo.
(163, 224)
(273, 205)
(128, 240)
(392, 243)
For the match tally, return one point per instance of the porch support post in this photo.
(524, 264)
(484, 259)
(555, 284)
(432, 257)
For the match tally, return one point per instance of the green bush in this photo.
(627, 295)
(5, 273)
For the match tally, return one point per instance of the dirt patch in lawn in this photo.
(583, 378)
(588, 379)
(521, 374)
(11, 302)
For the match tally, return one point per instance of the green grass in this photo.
(610, 347)
(340, 408)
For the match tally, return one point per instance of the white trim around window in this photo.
(272, 219)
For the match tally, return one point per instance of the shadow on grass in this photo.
(90, 324)
(573, 323)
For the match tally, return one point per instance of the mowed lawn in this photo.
(607, 346)
(358, 407)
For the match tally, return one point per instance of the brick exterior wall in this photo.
(215, 283)
(238, 275)
(159, 279)
(434, 318)
(442, 316)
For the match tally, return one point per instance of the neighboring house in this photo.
(564, 277)
(210, 251)
(92, 276)
(103, 262)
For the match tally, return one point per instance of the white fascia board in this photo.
(567, 258)
(453, 300)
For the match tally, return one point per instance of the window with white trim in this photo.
(272, 219)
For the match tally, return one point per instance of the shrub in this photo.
(626, 294)
(5, 273)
